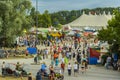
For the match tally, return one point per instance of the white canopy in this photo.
(71, 33)
(95, 33)
(67, 28)
(94, 21)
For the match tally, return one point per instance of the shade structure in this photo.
(71, 33)
(95, 33)
(67, 28)
(92, 21)
(87, 33)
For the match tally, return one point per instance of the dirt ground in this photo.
(13, 78)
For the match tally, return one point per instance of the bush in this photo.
(41, 37)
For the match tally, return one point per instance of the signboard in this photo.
(32, 50)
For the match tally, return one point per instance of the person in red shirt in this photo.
(26, 52)
(63, 66)
(55, 56)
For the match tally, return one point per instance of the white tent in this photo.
(71, 33)
(87, 28)
(54, 30)
(94, 21)
(95, 33)
(67, 28)
(32, 29)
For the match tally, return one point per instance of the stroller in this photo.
(44, 75)
(21, 72)
(58, 73)
(11, 71)
(8, 72)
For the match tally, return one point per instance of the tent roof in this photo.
(90, 20)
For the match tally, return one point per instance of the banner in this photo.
(94, 53)
(32, 50)
(93, 60)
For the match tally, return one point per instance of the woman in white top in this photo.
(75, 68)
(69, 69)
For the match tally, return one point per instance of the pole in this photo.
(36, 20)
(36, 13)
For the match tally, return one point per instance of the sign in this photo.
(32, 50)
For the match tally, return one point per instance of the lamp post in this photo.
(36, 21)
(36, 13)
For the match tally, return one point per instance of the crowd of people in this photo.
(67, 51)
(63, 54)
(110, 62)
(69, 54)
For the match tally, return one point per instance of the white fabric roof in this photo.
(95, 21)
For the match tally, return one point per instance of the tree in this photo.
(13, 19)
(55, 22)
(46, 19)
(43, 20)
(36, 16)
(112, 33)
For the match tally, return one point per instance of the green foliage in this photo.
(41, 37)
(104, 33)
(59, 26)
(46, 19)
(40, 20)
(13, 19)
(112, 33)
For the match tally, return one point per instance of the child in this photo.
(83, 67)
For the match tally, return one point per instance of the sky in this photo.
(59, 5)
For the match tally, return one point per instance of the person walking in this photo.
(73, 55)
(69, 69)
(63, 66)
(75, 68)
(38, 76)
(46, 53)
(78, 58)
(56, 62)
(36, 59)
(3, 68)
(108, 62)
(70, 55)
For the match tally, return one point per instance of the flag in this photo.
(94, 53)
